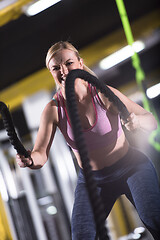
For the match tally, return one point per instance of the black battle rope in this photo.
(97, 206)
(9, 126)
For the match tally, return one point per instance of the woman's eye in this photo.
(69, 63)
(55, 68)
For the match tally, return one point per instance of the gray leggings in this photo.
(134, 176)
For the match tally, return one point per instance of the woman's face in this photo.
(64, 61)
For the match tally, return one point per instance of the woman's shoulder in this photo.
(50, 112)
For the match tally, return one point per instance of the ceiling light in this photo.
(39, 6)
(153, 91)
(121, 55)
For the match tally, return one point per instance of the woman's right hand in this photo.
(24, 162)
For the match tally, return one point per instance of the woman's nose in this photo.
(64, 70)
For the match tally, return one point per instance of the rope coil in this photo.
(10, 129)
(96, 203)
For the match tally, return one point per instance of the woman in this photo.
(117, 167)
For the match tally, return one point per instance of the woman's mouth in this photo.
(63, 80)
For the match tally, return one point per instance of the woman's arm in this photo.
(139, 118)
(47, 128)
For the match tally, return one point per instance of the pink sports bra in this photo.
(106, 129)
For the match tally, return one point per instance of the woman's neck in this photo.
(81, 91)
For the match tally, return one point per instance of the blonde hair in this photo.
(64, 45)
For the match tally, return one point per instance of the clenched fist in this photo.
(23, 161)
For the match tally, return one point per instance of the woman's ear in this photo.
(81, 63)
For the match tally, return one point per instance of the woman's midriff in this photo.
(105, 157)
